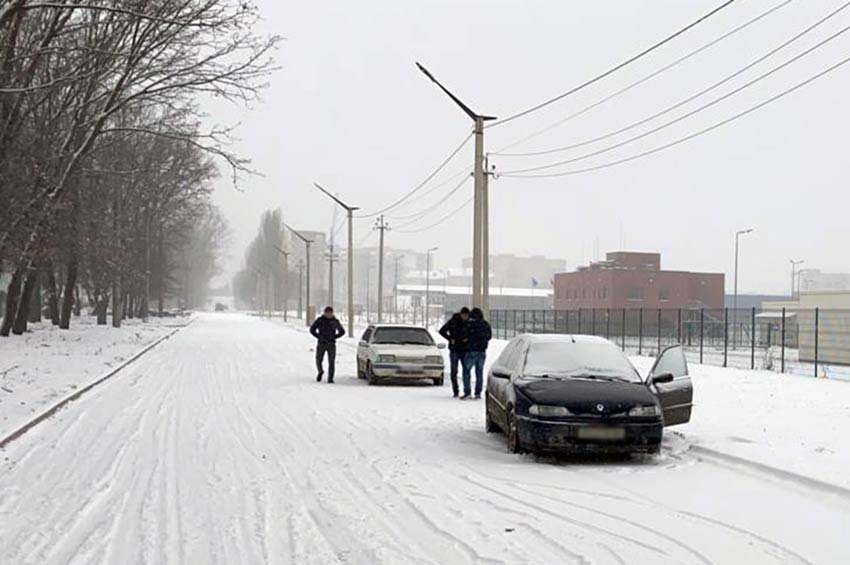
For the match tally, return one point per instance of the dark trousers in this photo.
(473, 360)
(330, 349)
(455, 357)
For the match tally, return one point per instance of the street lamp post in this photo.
(350, 212)
(307, 244)
(480, 213)
(738, 235)
(428, 285)
(794, 275)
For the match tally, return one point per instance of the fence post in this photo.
(593, 321)
(679, 326)
(753, 339)
(817, 344)
(726, 336)
(534, 321)
(624, 329)
(783, 340)
(658, 351)
(524, 322)
(608, 325)
(701, 332)
(640, 331)
(579, 321)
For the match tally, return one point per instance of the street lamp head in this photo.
(742, 232)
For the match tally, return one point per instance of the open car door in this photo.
(676, 395)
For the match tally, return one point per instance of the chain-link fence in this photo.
(808, 342)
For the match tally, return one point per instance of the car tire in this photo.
(370, 374)
(361, 374)
(438, 382)
(489, 425)
(514, 444)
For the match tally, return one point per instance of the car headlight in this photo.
(645, 411)
(434, 360)
(386, 358)
(548, 411)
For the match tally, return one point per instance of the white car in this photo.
(396, 351)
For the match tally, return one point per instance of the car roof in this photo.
(564, 338)
(407, 326)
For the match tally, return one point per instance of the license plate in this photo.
(602, 433)
(411, 371)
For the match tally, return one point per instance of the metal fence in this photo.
(810, 342)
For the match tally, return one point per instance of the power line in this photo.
(686, 115)
(439, 222)
(423, 183)
(616, 68)
(437, 204)
(693, 135)
(437, 186)
(632, 85)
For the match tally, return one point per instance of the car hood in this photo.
(405, 350)
(583, 396)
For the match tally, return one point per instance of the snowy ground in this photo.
(47, 364)
(219, 447)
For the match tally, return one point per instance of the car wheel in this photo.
(361, 374)
(438, 382)
(370, 374)
(489, 425)
(514, 445)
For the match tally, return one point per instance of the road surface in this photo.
(219, 447)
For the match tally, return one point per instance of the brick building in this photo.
(635, 280)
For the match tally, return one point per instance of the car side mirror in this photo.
(441, 346)
(500, 373)
(661, 379)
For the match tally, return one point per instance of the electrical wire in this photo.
(629, 87)
(423, 183)
(693, 135)
(434, 206)
(611, 71)
(686, 115)
(437, 186)
(439, 222)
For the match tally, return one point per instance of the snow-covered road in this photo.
(219, 447)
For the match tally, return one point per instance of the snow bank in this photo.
(47, 364)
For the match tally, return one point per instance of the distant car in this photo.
(564, 393)
(394, 351)
(219, 307)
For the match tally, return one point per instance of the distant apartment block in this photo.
(635, 280)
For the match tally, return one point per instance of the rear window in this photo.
(565, 358)
(411, 336)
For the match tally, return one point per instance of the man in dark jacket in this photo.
(454, 331)
(478, 336)
(326, 329)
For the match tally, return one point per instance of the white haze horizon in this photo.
(349, 109)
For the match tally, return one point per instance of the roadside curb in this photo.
(76, 395)
(781, 474)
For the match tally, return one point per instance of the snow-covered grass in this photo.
(47, 364)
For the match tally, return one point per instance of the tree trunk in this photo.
(52, 296)
(13, 295)
(68, 301)
(34, 314)
(160, 299)
(100, 306)
(117, 302)
(77, 302)
(22, 315)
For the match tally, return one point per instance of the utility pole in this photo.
(738, 235)
(307, 243)
(427, 317)
(382, 227)
(332, 258)
(395, 292)
(794, 276)
(350, 259)
(300, 287)
(479, 205)
(485, 240)
(285, 280)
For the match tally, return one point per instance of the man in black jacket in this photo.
(326, 329)
(478, 334)
(454, 332)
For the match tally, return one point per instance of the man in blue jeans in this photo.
(478, 334)
(454, 331)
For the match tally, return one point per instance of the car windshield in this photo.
(403, 336)
(567, 359)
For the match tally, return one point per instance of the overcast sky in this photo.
(349, 109)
